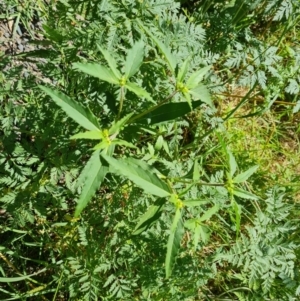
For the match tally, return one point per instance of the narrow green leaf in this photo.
(159, 143)
(110, 61)
(238, 214)
(194, 203)
(16, 279)
(202, 93)
(204, 233)
(196, 234)
(199, 230)
(183, 69)
(95, 135)
(145, 166)
(117, 126)
(232, 162)
(98, 71)
(144, 179)
(166, 148)
(196, 171)
(168, 112)
(188, 99)
(244, 194)
(134, 59)
(171, 60)
(82, 116)
(209, 213)
(138, 90)
(173, 245)
(102, 145)
(91, 178)
(242, 177)
(88, 166)
(84, 278)
(191, 223)
(197, 77)
(123, 142)
(149, 217)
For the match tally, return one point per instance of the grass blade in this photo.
(16, 279)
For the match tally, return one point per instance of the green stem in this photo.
(58, 285)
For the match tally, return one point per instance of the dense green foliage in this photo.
(122, 176)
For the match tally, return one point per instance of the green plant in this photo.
(123, 173)
(264, 254)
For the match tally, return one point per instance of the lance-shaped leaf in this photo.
(244, 194)
(242, 177)
(138, 90)
(111, 62)
(170, 58)
(173, 245)
(232, 162)
(146, 180)
(209, 213)
(98, 71)
(168, 112)
(102, 145)
(183, 70)
(237, 209)
(188, 98)
(159, 143)
(91, 178)
(117, 126)
(94, 135)
(199, 231)
(190, 223)
(149, 217)
(202, 93)
(134, 59)
(196, 171)
(79, 114)
(203, 231)
(123, 143)
(143, 165)
(195, 202)
(197, 77)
